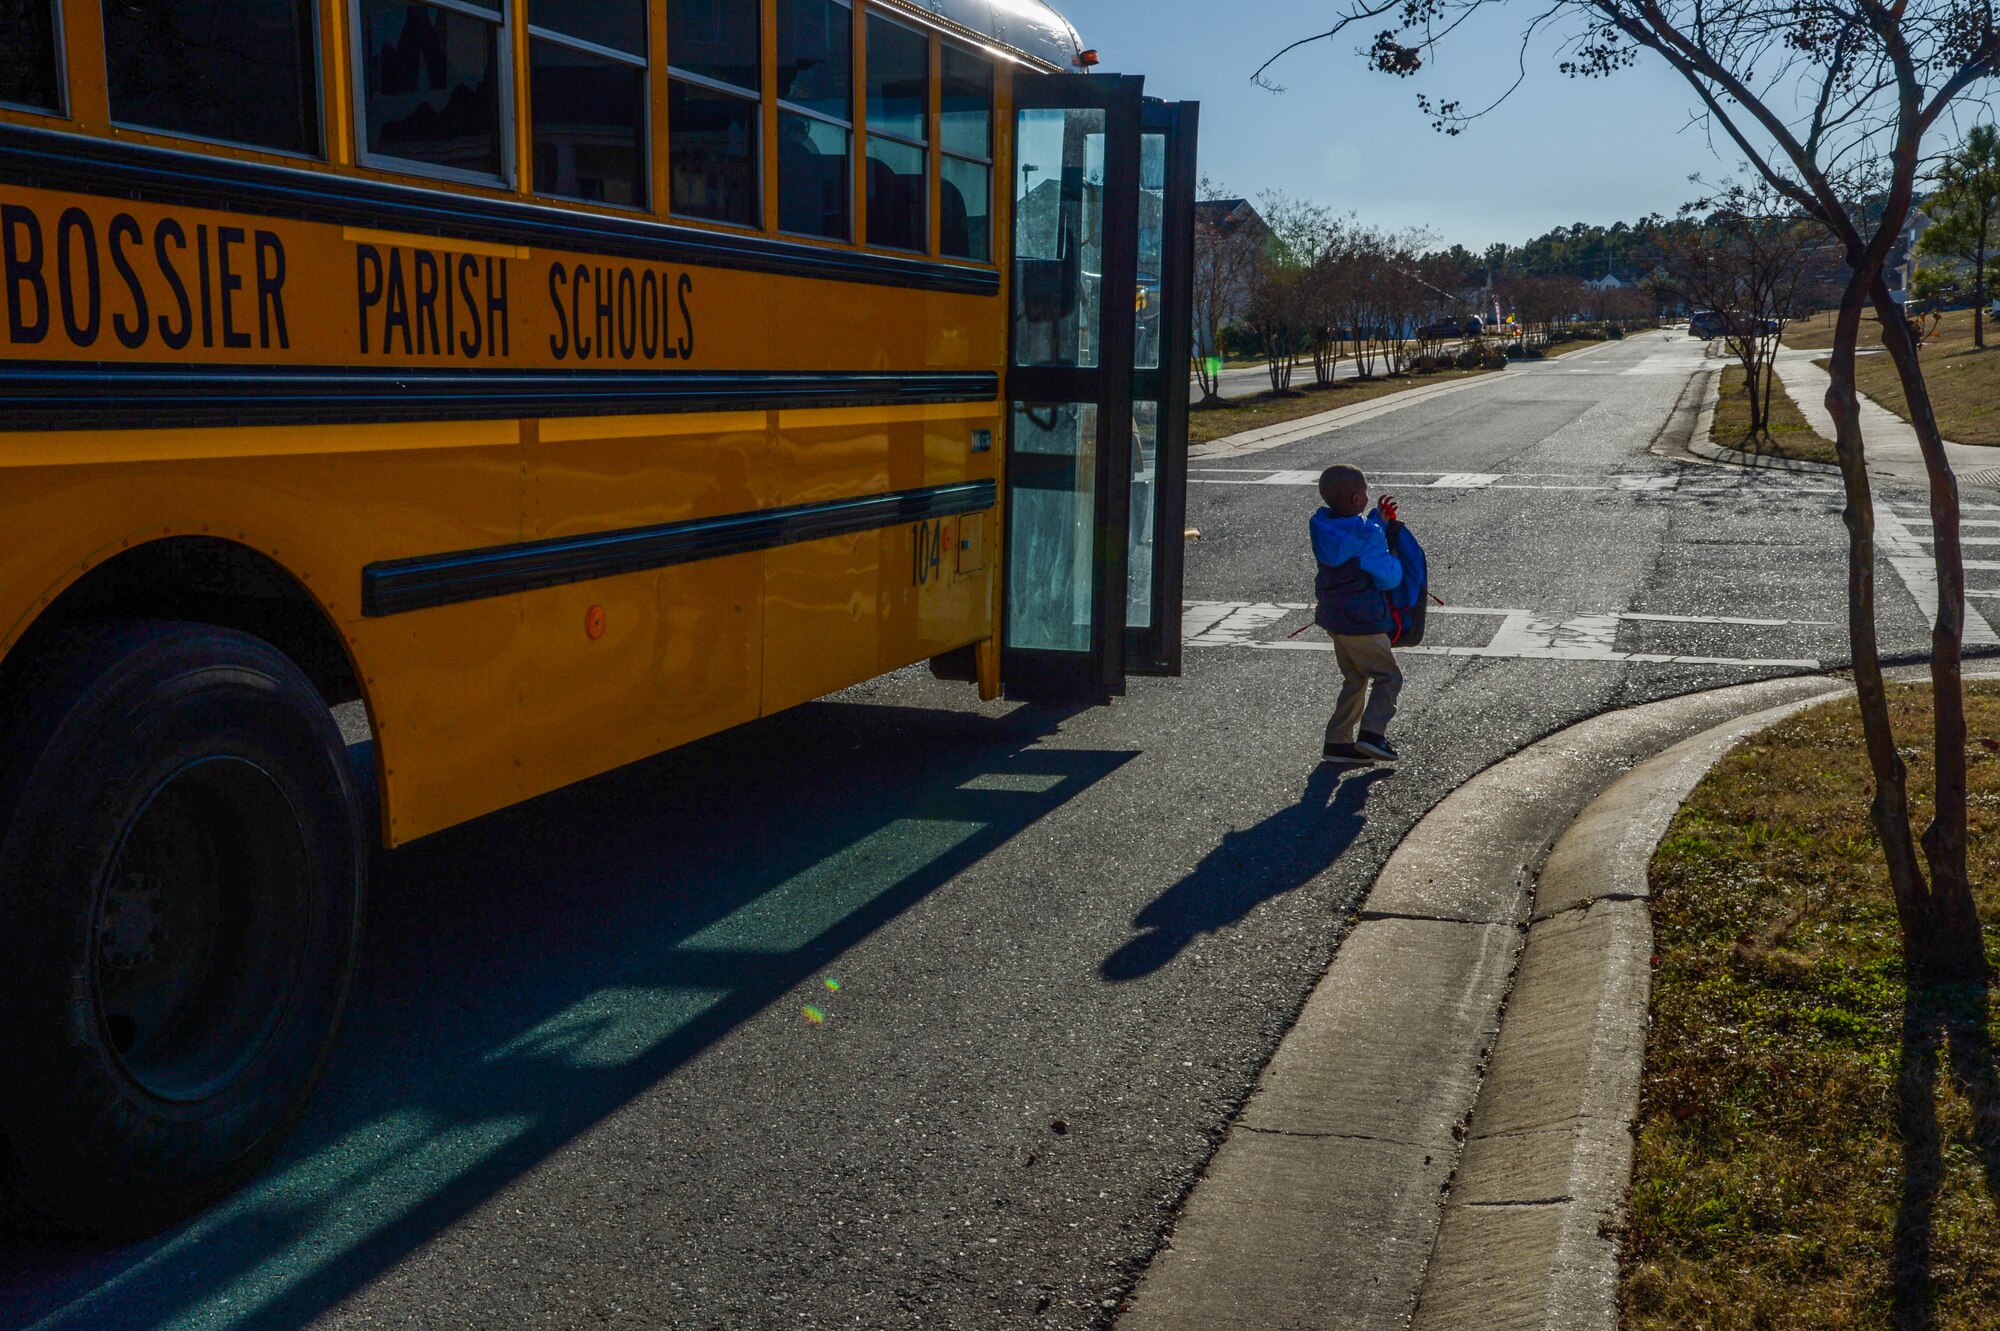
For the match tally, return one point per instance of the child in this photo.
(1356, 571)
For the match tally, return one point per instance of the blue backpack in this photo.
(1408, 599)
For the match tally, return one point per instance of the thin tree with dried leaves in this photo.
(1751, 256)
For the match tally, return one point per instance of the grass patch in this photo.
(1809, 1156)
(1790, 434)
(1238, 414)
(1816, 333)
(1964, 381)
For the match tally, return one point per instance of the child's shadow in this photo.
(1286, 850)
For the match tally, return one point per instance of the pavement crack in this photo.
(1367, 915)
(1329, 1136)
(1524, 1204)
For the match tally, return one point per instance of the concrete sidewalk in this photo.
(1408, 1157)
(1890, 441)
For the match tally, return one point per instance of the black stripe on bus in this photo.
(56, 395)
(49, 159)
(403, 585)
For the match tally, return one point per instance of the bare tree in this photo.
(1760, 263)
(1227, 249)
(1543, 306)
(1320, 295)
(1298, 232)
(1273, 316)
(1831, 101)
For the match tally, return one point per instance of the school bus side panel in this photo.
(847, 610)
(319, 501)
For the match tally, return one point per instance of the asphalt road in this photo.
(583, 1085)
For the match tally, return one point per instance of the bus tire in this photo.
(181, 881)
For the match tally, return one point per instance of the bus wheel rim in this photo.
(197, 947)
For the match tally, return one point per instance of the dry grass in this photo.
(1252, 413)
(1816, 333)
(1964, 381)
(1813, 1153)
(1790, 434)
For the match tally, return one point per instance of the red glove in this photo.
(1386, 506)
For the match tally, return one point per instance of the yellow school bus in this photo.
(534, 386)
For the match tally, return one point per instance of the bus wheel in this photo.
(180, 898)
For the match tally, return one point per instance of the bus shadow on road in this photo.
(526, 975)
(1247, 868)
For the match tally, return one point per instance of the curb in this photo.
(1332, 1200)
(1529, 1236)
(1686, 436)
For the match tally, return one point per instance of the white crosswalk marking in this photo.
(1641, 483)
(1232, 623)
(1917, 568)
(1521, 635)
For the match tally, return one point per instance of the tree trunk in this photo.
(1207, 372)
(1957, 950)
(1890, 808)
(1979, 284)
(1770, 380)
(1746, 349)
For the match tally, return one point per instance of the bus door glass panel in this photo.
(1139, 560)
(1069, 458)
(1163, 321)
(1058, 236)
(1052, 495)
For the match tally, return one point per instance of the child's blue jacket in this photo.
(1356, 571)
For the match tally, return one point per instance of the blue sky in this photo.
(1560, 151)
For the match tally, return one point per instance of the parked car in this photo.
(1444, 328)
(1713, 323)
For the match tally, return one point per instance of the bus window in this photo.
(587, 80)
(236, 71)
(28, 68)
(899, 79)
(713, 110)
(431, 84)
(965, 135)
(815, 116)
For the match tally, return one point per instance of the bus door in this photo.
(1165, 325)
(1076, 175)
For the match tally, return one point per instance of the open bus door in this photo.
(1096, 453)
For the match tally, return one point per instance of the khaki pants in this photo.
(1368, 675)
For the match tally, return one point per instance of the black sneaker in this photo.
(1375, 748)
(1345, 753)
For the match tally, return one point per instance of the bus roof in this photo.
(1027, 27)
